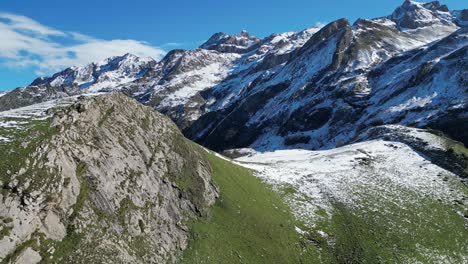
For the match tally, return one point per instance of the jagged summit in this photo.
(461, 17)
(239, 43)
(412, 15)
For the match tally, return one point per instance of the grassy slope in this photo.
(421, 231)
(250, 223)
(406, 227)
(390, 224)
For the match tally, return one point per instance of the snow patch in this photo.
(347, 174)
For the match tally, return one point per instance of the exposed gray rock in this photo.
(28, 256)
(237, 153)
(117, 182)
(35, 94)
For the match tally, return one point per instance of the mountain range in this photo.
(340, 144)
(314, 89)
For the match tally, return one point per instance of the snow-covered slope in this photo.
(374, 189)
(412, 15)
(333, 86)
(102, 76)
(106, 74)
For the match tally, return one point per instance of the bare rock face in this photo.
(28, 256)
(118, 183)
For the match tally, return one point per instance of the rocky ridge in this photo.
(105, 180)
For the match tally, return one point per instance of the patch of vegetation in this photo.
(456, 147)
(454, 157)
(106, 116)
(287, 190)
(4, 231)
(64, 248)
(39, 243)
(417, 229)
(126, 207)
(23, 140)
(13, 256)
(139, 246)
(250, 223)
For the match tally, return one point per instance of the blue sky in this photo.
(57, 34)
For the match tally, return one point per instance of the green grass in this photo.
(5, 231)
(417, 229)
(250, 223)
(456, 147)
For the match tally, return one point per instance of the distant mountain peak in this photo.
(435, 5)
(412, 14)
(239, 43)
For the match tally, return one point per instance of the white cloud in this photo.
(22, 23)
(26, 43)
(320, 24)
(183, 44)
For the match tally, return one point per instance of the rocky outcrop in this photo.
(114, 182)
(35, 94)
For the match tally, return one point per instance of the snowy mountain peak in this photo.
(435, 5)
(100, 75)
(239, 43)
(412, 15)
(461, 17)
(39, 81)
(311, 87)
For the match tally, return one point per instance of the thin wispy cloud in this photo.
(182, 44)
(320, 24)
(25, 42)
